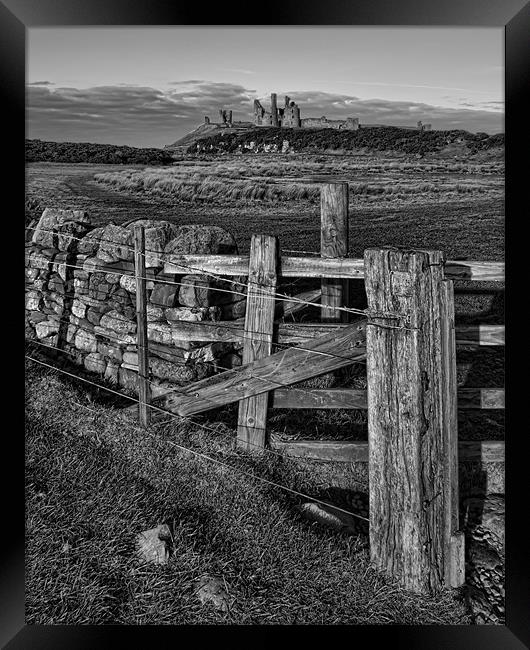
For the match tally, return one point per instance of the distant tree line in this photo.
(88, 152)
(378, 138)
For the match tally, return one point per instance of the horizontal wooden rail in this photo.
(465, 334)
(320, 267)
(309, 267)
(356, 451)
(347, 398)
(293, 333)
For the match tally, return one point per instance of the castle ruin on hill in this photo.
(289, 116)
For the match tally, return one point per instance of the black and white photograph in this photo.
(265, 325)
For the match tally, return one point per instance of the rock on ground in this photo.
(153, 544)
(329, 516)
(212, 590)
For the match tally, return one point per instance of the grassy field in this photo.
(94, 480)
(451, 205)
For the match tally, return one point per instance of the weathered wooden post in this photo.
(412, 420)
(334, 243)
(259, 323)
(144, 392)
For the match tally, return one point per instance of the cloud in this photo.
(40, 83)
(238, 70)
(146, 116)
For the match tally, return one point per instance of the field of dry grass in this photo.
(286, 178)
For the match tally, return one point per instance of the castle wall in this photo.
(349, 124)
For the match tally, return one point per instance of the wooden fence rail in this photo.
(294, 333)
(408, 339)
(314, 267)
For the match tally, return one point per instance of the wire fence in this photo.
(200, 454)
(280, 297)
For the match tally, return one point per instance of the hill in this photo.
(204, 131)
(375, 138)
(88, 152)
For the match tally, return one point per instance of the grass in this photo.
(463, 224)
(281, 178)
(94, 481)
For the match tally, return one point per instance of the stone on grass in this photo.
(329, 516)
(212, 591)
(153, 544)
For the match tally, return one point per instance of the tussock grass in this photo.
(94, 480)
(276, 179)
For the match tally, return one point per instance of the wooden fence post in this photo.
(144, 391)
(412, 426)
(259, 323)
(334, 243)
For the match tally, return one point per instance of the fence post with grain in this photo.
(412, 424)
(259, 323)
(144, 391)
(334, 244)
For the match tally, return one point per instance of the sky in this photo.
(147, 87)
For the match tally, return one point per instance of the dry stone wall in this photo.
(81, 297)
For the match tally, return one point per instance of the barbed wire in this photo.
(200, 454)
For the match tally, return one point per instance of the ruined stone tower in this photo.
(274, 110)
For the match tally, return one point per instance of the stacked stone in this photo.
(50, 245)
(81, 294)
